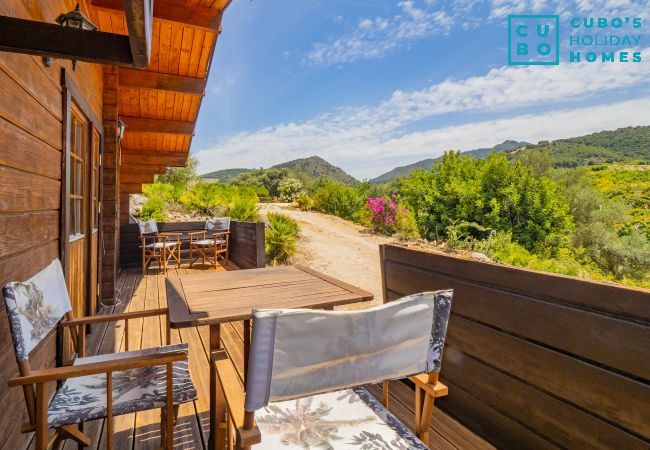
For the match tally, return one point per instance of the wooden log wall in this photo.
(246, 242)
(110, 188)
(31, 115)
(535, 360)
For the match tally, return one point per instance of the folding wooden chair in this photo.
(213, 247)
(159, 247)
(94, 387)
(306, 369)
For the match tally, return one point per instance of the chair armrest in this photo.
(89, 320)
(114, 365)
(247, 434)
(221, 233)
(435, 390)
(192, 233)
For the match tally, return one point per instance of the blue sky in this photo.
(372, 84)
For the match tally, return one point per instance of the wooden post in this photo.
(247, 348)
(109, 410)
(217, 397)
(110, 188)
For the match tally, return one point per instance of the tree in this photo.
(180, 175)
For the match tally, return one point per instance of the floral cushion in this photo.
(84, 398)
(346, 419)
(208, 242)
(218, 224)
(148, 227)
(161, 244)
(35, 307)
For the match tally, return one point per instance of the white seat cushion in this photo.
(84, 398)
(208, 242)
(346, 419)
(162, 244)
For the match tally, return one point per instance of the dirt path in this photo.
(336, 247)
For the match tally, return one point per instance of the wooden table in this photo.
(214, 298)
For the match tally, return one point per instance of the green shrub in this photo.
(492, 193)
(290, 189)
(281, 236)
(340, 200)
(244, 209)
(153, 208)
(305, 202)
(203, 198)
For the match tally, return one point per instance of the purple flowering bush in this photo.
(382, 214)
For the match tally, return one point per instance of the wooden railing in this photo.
(246, 242)
(535, 360)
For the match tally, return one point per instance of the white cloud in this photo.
(369, 139)
(376, 37)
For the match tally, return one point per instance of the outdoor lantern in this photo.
(121, 127)
(75, 19)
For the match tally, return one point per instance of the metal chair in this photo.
(307, 368)
(214, 247)
(94, 387)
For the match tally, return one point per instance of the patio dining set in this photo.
(306, 365)
(208, 245)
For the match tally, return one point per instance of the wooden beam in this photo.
(130, 178)
(207, 19)
(130, 188)
(46, 39)
(143, 125)
(154, 159)
(144, 169)
(139, 21)
(139, 151)
(161, 81)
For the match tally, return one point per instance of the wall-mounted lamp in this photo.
(121, 128)
(72, 19)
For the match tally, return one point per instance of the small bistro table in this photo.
(214, 298)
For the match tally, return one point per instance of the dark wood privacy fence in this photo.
(535, 360)
(246, 242)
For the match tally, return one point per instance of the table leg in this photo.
(247, 348)
(217, 398)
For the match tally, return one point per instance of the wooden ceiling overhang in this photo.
(160, 102)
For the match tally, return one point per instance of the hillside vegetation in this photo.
(313, 167)
(224, 175)
(405, 171)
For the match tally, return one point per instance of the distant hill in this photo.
(314, 166)
(404, 171)
(224, 175)
(630, 144)
(317, 167)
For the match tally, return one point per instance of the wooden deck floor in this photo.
(141, 430)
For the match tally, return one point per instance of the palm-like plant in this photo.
(281, 236)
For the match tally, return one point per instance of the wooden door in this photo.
(78, 208)
(93, 221)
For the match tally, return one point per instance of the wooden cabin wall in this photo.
(30, 184)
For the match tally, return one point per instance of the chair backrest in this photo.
(35, 307)
(301, 352)
(218, 224)
(148, 227)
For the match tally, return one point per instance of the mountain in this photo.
(224, 175)
(317, 167)
(314, 166)
(404, 171)
(630, 144)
